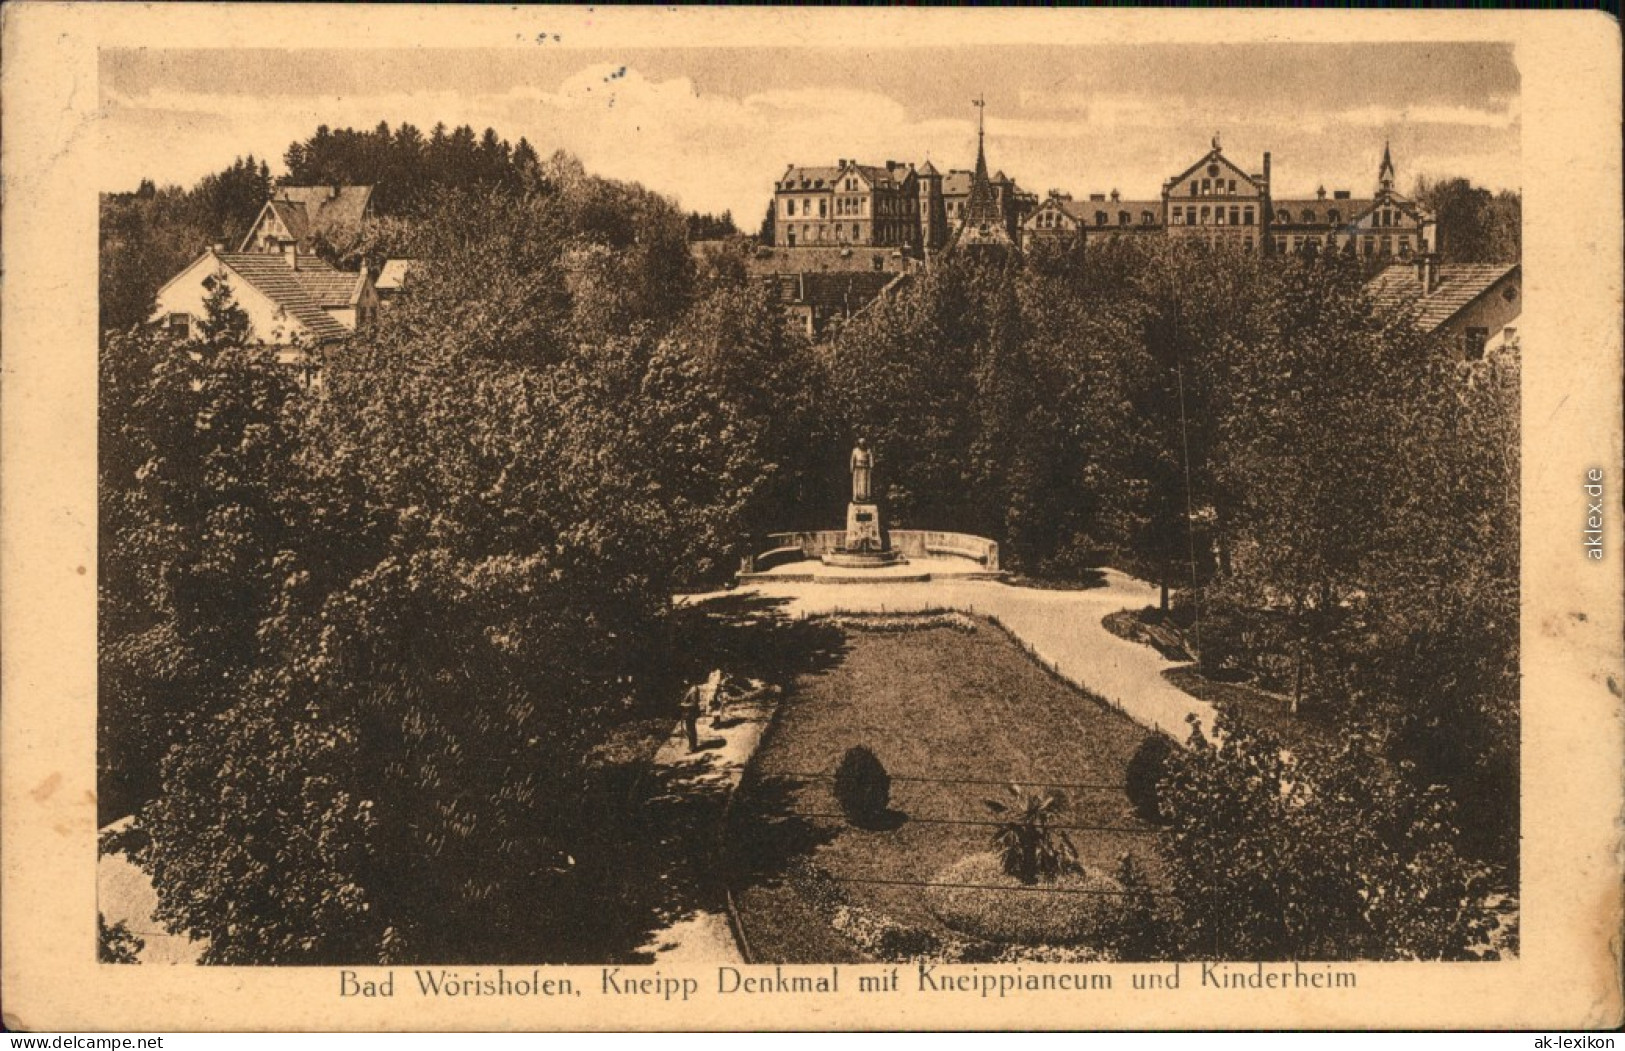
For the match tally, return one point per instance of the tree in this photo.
(1474, 225)
(116, 944)
(1320, 854)
(196, 442)
(501, 490)
(767, 233)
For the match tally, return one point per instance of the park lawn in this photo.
(968, 711)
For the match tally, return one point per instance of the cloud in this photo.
(716, 151)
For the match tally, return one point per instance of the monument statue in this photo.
(862, 464)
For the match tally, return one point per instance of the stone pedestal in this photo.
(865, 543)
(863, 528)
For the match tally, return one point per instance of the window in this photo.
(1124, 219)
(1147, 218)
(806, 206)
(854, 231)
(1334, 217)
(1249, 242)
(1207, 186)
(1194, 191)
(1218, 216)
(1232, 186)
(1235, 216)
(1370, 246)
(1509, 293)
(879, 262)
(1387, 246)
(790, 207)
(1307, 216)
(179, 325)
(823, 208)
(1207, 215)
(1283, 216)
(1473, 342)
(1247, 215)
(790, 238)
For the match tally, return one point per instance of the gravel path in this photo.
(1061, 628)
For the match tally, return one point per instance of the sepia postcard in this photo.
(569, 518)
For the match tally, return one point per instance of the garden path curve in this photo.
(1062, 629)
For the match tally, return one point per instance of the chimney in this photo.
(1097, 197)
(1114, 196)
(1340, 195)
(1266, 169)
(1320, 193)
(1427, 273)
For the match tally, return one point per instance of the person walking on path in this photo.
(691, 716)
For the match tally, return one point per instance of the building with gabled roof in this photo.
(1384, 224)
(1216, 201)
(298, 215)
(290, 299)
(1472, 306)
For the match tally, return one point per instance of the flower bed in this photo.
(977, 898)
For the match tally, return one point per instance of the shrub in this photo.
(1321, 853)
(1030, 848)
(984, 901)
(1144, 778)
(1138, 929)
(862, 786)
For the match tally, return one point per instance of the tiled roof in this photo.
(328, 206)
(957, 183)
(928, 168)
(798, 178)
(292, 215)
(1400, 286)
(302, 293)
(851, 291)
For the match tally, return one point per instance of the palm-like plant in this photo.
(1030, 847)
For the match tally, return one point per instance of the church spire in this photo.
(1385, 174)
(984, 224)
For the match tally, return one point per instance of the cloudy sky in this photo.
(715, 126)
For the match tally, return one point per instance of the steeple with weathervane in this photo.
(983, 228)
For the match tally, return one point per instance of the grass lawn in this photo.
(953, 707)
